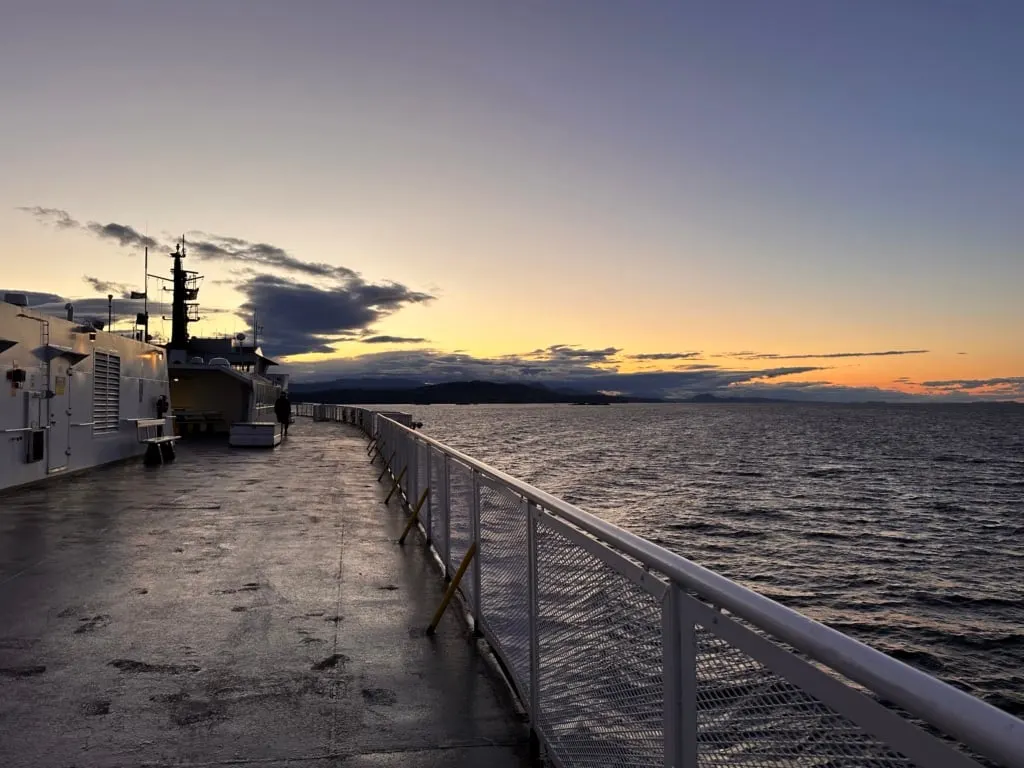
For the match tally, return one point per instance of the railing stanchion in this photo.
(403, 456)
(688, 668)
(413, 485)
(528, 512)
(679, 662)
(447, 502)
(474, 517)
(737, 629)
(429, 520)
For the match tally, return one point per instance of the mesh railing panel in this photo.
(599, 645)
(438, 520)
(460, 506)
(400, 456)
(422, 478)
(504, 589)
(600, 659)
(748, 715)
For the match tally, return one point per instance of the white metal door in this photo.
(58, 435)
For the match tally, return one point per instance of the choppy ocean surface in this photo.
(902, 526)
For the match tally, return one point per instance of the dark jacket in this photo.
(283, 409)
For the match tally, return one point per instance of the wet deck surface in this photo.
(234, 608)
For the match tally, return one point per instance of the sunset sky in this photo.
(655, 197)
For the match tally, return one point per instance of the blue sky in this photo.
(655, 177)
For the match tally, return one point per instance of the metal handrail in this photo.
(967, 717)
(981, 726)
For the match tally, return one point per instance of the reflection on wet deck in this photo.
(234, 607)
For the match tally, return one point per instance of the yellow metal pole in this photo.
(387, 466)
(450, 593)
(398, 482)
(414, 516)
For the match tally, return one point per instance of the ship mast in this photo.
(184, 307)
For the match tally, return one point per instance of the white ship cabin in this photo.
(219, 382)
(73, 396)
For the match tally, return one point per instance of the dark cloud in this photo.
(235, 250)
(968, 384)
(93, 306)
(123, 234)
(573, 352)
(55, 217)
(392, 340)
(773, 356)
(665, 356)
(34, 298)
(86, 308)
(122, 290)
(430, 366)
(299, 317)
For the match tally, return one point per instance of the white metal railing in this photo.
(624, 653)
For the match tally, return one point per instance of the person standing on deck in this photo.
(283, 411)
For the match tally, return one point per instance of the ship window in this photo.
(106, 392)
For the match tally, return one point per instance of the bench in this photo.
(159, 447)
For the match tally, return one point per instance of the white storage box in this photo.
(264, 434)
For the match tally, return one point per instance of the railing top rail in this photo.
(995, 733)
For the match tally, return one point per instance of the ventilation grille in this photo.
(106, 392)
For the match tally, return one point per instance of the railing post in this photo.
(447, 517)
(474, 517)
(414, 480)
(403, 457)
(528, 511)
(429, 520)
(679, 662)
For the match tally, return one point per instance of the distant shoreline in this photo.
(499, 393)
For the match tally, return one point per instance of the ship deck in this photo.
(234, 608)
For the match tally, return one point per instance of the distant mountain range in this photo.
(393, 391)
(390, 391)
(454, 392)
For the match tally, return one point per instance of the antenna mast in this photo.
(184, 309)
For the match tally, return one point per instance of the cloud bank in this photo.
(666, 356)
(302, 317)
(310, 306)
(87, 308)
(824, 355)
(122, 234)
(305, 306)
(122, 290)
(247, 254)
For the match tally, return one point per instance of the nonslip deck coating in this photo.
(236, 607)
